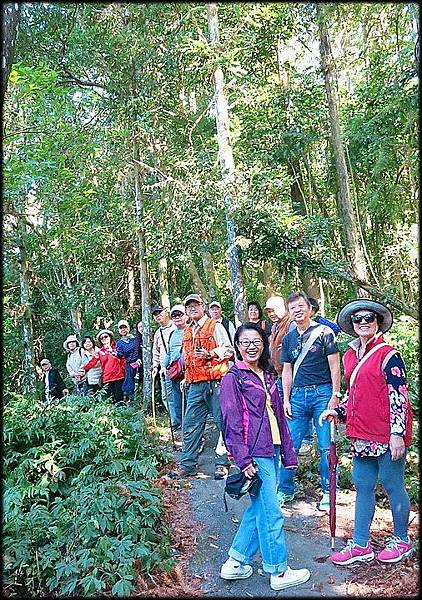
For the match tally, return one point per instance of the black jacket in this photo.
(57, 385)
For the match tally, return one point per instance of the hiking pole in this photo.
(153, 402)
(182, 389)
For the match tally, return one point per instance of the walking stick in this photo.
(153, 402)
(171, 426)
(182, 389)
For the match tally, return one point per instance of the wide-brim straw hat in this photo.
(100, 333)
(70, 338)
(345, 323)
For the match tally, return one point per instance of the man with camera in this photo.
(206, 353)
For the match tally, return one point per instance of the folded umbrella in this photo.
(332, 463)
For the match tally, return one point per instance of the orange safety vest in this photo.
(202, 369)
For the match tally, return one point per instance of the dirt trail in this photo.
(307, 535)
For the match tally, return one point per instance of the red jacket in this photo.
(113, 367)
(368, 407)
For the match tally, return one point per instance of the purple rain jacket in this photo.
(242, 400)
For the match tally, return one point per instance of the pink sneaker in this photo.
(353, 553)
(395, 549)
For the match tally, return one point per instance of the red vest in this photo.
(368, 407)
(200, 369)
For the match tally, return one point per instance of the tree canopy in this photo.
(112, 104)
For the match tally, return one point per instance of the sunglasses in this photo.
(104, 337)
(177, 313)
(367, 318)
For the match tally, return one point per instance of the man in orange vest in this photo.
(206, 353)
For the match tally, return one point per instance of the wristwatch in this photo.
(337, 394)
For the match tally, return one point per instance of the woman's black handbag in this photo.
(237, 485)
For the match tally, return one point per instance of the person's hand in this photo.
(139, 361)
(287, 408)
(333, 402)
(201, 352)
(397, 447)
(65, 392)
(329, 414)
(250, 471)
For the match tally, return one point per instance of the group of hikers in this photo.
(267, 388)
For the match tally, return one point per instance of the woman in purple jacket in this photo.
(257, 435)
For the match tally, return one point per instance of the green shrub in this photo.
(79, 505)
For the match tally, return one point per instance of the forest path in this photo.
(308, 542)
(306, 531)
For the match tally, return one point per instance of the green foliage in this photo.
(79, 507)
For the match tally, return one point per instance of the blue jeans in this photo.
(262, 522)
(365, 473)
(129, 382)
(176, 396)
(201, 397)
(308, 402)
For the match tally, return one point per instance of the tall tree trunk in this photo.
(209, 271)
(144, 282)
(353, 248)
(268, 273)
(163, 282)
(9, 25)
(131, 286)
(29, 375)
(227, 169)
(198, 286)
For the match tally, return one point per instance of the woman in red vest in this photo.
(378, 418)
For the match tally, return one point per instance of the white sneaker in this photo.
(324, 503)
(289, 578)
(233, 569)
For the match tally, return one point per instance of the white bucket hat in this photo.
(70, 338)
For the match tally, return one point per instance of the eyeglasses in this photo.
(368, 318)
(247, 343)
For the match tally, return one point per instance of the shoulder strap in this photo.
(162, 337)
(387, 358)
(226, 325)
(305, 349)
(364, 359)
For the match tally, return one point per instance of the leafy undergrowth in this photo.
(81, 513)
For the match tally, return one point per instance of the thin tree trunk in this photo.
(353, 249)
(131, 287)
(10, 20)
(29, 376)
(144, 283)
(198, 286)
(209, 271)
(268, 272)
(163, 282)
(227, 169)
